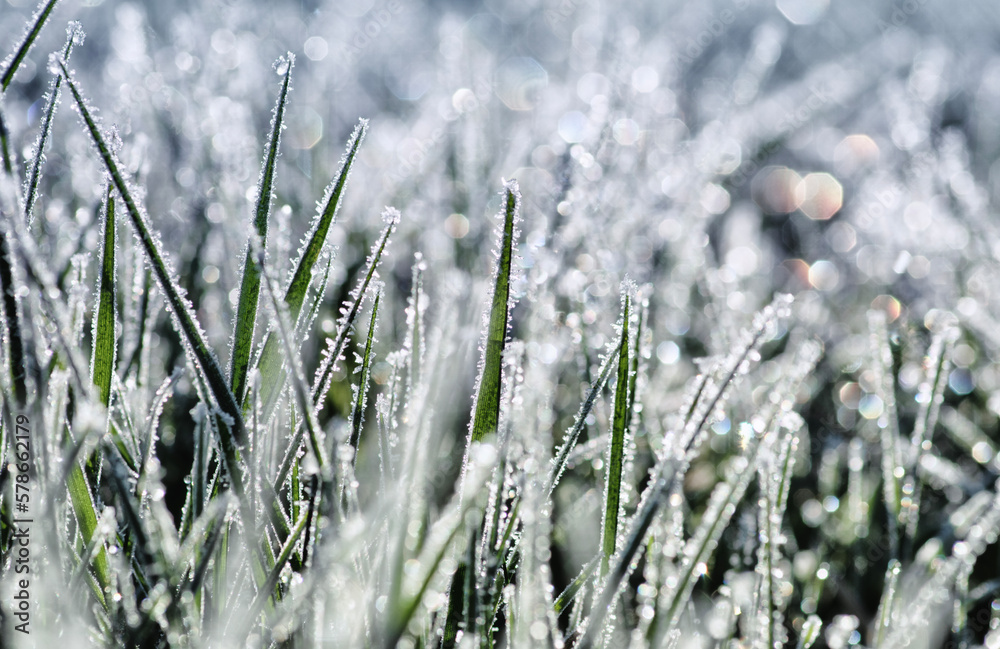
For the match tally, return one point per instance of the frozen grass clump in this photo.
(714, 368)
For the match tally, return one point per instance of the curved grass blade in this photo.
(269, 361)
(234, 432)
(616, 451)
(246, 314)
(487, 410)
(74, 36)
(13, 61)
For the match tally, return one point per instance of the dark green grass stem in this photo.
(29, 39)
(617, 451)
(487, 412)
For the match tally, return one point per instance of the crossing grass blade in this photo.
(357, 413)
(13, 61)
(569, 441)
(269, 360)
(234, 433)
(616, 452)
(246, 314)
(487, 411)
(74, 36)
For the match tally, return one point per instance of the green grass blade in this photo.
(103, 357)
(6, 156)
(569, 441)
(15, 342)
(569, 594)
(74, 36)
(13, 61)
(184, 317)
(269, 361)
(86, 517)
(487, 411)
(616, 453)
(456, 605)
(246, 314)
(358, 412)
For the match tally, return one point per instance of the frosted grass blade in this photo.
(569, 440)
(246, 314)
(13, 61)
(269, 360)
(616, 450)
(487, 410)
(103, 356)
(74, 36)
(358, 411)
(234, 432)
(335, 346)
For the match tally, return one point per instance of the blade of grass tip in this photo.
(358, 411)
(487, 410)
(269, 361)
(336, 345)
(246, 314)
(33, 29)
(74, 36)
(616, 450)
(636, 358)
(569, 594)
(234, 433)
(103, 353)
